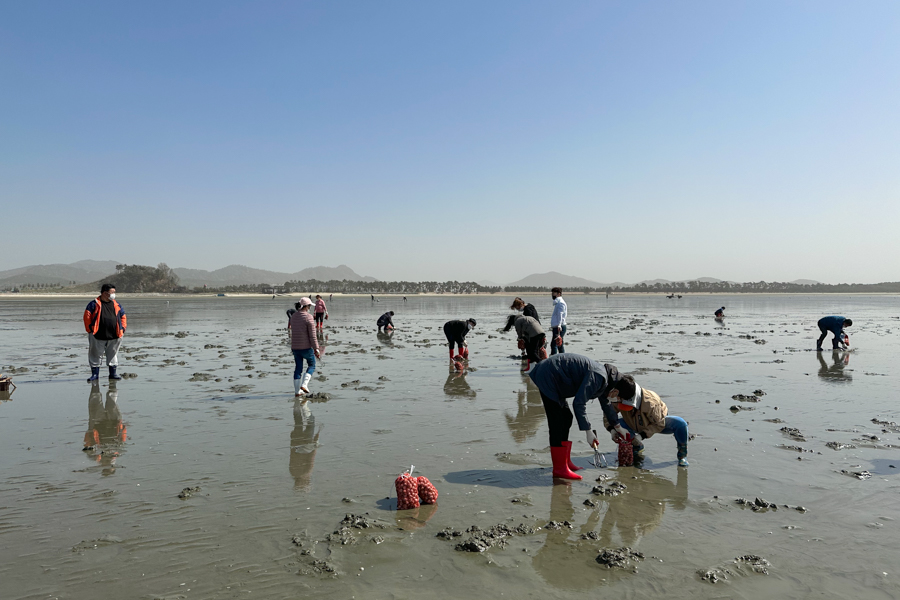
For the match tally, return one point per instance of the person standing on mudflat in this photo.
(558, 321)
(572, 376)
(321, 312)
(835, 325)
(304, 346)
(104, 322)
(456, 331)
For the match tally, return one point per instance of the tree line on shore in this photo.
(162, 279)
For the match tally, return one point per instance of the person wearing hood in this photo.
(835, 325)
(105, 323)
(304, 345)
(456, 331)
(385, 321)
(574, 376)
(531, 338)
(643, 414)
(720, 313)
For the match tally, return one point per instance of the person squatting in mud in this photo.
(643, 414)
(385, 321)
(456, 331)
(558, 321)
(574, 376)
(531, 338)
(304, 346)
(836, 326)
(720, 313)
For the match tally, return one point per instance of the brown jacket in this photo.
(650, 418)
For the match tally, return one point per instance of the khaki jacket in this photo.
(650, 418)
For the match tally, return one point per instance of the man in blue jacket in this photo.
(835, 325)
(569, 375)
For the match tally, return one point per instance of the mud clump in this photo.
(318, 397)
(188, 492)
(619, 558)
(737, 408)
(861, 475)
(757, 505)
(838, 445)
(201, 377)
(614, 488)
(758, 393)
(887, 426)
(557, 525)
(361, 522)
(793, 433)
(481, 540)
(742, 565)
(745, 398)
(448, 533)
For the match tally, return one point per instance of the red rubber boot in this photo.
(464, 352)
(572, 466)
(559, 455)
(451, 353)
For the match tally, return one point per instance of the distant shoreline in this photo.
(122, 295)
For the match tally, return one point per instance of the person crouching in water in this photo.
(642, 415)
(531, 338)
(304, 346)
(385, 321)
(564, 376)
(456, 331)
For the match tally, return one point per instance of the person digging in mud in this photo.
(720, 314)
(836, 326)
(558, 321)
(643, 414)
(386, 321)
(321, 312)
(304, 346)
(572, 376)
(105, 323)
(456, 331)
(531, 338)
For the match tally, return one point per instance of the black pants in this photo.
(454, 338)
(533, 345)
(559, 419)
(834, 342)
(320, 318)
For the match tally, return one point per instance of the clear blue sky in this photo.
(469, 140)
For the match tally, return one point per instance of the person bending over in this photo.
(456, 331)
(385, 321)
(835, 325)
(531, 338)
(527, 310)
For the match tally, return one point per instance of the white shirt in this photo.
(560, 310)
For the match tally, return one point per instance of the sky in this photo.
(616, 141)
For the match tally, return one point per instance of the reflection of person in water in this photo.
(836, 371)
(456, 385)
(384, 337)
(304, 443)
(106, 433)
(631, 515)
(530, 416)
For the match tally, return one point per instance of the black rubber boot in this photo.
(95, 374)
(112, 373)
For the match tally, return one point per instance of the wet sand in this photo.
(90, 483)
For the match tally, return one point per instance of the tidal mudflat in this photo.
(200, 476)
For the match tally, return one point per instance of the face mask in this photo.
(470, 326)
(112, 296)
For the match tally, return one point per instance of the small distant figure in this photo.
(330, 296)
(273, 296)
(373, 297)
(835, 325)
(558, 321)
(404, 298)
(527, 310)
(720, 314)
(531, 338)
(321, 312)
(385, 321)
(105, 323)
(304, 345)
(456, 331)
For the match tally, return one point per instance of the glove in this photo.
(622, 433)
(614, 435)
(591, 437)
(638, 438)
(521, 344)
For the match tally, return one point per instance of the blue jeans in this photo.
(674, 425)
(310, 357)
(561, 332)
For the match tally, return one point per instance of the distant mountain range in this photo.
(89, 271)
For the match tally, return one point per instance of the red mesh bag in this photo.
(407, 492)
(427, 492)
(626, 453)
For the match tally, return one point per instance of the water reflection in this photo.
(456, 385)
(304, 443)
(106, 433)
(567, 560)
(530, 413)
(385, 338)
(835, 371)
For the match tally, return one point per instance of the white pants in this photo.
(97, 348)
